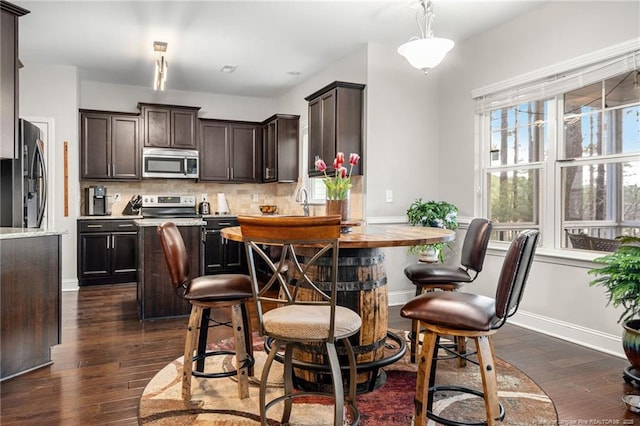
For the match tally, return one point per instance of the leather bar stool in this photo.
(476, 317)
(303, 287)
(437, 276)
(205, 293)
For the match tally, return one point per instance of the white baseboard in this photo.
(582, 336)
(70, 284)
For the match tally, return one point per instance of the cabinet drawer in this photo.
(106, 225)
(215, 224)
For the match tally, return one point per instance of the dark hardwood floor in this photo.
(108, 356)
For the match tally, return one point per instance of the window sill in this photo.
(576, 258)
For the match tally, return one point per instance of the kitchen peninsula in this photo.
(30, 292)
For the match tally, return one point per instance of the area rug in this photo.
(214, 401)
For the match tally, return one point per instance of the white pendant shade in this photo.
(425, 53)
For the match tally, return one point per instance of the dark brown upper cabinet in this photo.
(335, 124)
(230, 151)
(169, 126)
(9, 65)
(280, 141)
(109, 145)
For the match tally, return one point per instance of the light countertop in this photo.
(11, 233)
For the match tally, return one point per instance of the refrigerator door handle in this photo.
(39, 160)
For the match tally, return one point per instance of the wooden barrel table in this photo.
(362, 287)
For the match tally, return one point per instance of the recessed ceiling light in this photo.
(228, 68)
(294, 73)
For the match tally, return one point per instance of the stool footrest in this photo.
(460, 389)
(248, 363)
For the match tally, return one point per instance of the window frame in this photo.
(607, 63)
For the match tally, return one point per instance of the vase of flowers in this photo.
(338, 185)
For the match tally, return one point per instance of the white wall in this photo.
(558, 299)
(113, 97)
(52, 92)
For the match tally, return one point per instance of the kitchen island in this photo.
(30, 292)
(156, 297)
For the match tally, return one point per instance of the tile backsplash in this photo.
(240, 197)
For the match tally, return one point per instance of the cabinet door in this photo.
(157, 125)
(244, 152)
(183, 129)
(315, 134)
(95, 143)
(94, 255)
(234, 256)
(288, 142)
(8, 85)
(125, 147)
(214, 151)
(213, 252)
(123, 253)
(328, 120)
(269, 151)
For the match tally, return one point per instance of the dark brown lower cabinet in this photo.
(222, 256)
(155, 296)
(30, 288)
(106, 251)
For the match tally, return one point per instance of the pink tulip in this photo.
(343, 172)
(320, 165)
(354, 158)
(340, 158)
(336, 164)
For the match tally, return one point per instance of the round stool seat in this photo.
(464, 311)
(436, 273)
(220, 287)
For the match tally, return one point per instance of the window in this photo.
(565, 159)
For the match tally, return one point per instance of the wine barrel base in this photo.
(325, 385)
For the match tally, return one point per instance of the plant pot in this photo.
(631, 342)
(428, 255)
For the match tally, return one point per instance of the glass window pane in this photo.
(519, 134)
(589, 192)
(620, 89)
(583, 100)
(622, 130)
(514, 196)
(583, 136)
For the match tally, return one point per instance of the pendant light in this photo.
(428, 51)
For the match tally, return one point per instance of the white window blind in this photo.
(560, 78)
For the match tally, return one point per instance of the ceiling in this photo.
(275, 44)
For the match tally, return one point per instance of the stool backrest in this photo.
(514, 274)
(306, 271)
(474, 247)
(175, 253)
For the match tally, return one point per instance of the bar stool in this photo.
(474, 316)
(205, 293)
(436, 276)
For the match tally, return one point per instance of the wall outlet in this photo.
(388, 196)
(116, 196)
(203, 196)
(256, 198)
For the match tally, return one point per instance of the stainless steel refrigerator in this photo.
(24, 181)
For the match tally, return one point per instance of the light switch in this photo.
(388, 196)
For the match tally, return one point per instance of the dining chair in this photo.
(476, 317)
(294, 308)
(205, 293)
(437, 276)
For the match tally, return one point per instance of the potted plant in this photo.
(619, 275)
(439, 214)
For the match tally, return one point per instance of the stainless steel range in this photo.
(167, 206)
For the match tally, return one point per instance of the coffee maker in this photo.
(95, 200)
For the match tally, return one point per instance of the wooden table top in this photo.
(371, 236)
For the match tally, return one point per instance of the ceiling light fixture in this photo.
(160, 76)
(426, 52)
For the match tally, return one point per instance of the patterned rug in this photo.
(215, 402)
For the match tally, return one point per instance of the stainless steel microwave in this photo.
(169, 163)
